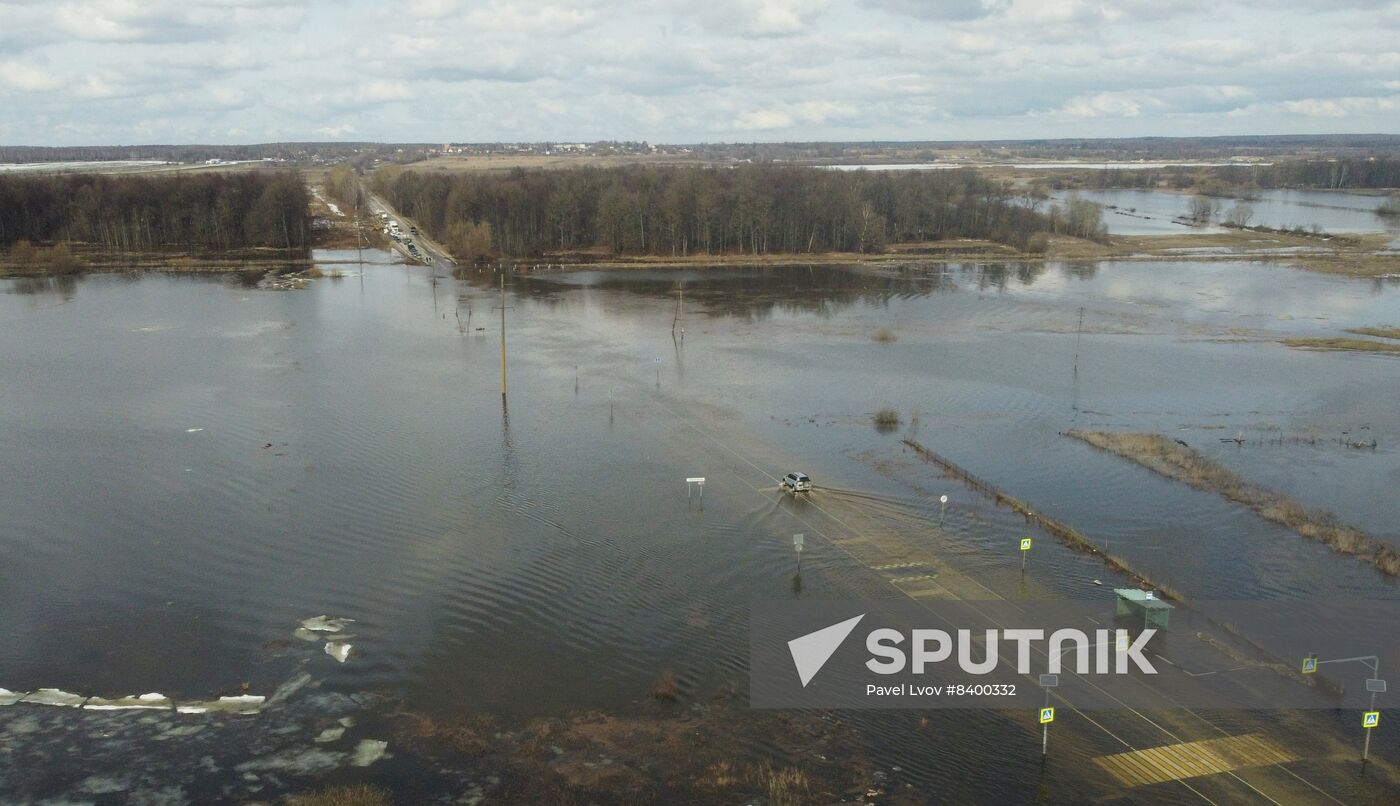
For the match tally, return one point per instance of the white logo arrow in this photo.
(811, 652)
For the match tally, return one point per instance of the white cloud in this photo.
(335, 132)
(788, 115)
(944, 10)
(1214, 51)
(1342, 107)
(680, 71)
(27, 77)
(1100, 105)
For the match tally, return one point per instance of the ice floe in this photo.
(368, 751)
(326, 624)
(152, 700)
(241, 704)
(330, 735)
(54, 696)
(338, 650)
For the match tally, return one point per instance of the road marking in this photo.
(1174, 762)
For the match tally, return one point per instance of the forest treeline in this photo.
(1369, 173)
(752, 209)
(210, 211)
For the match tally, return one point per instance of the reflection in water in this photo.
(65, 285)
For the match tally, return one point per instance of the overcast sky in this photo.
(236, 71)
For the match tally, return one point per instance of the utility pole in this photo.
(1079, 336)
(680, 308)
(503, 334)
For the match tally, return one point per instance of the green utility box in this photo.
(1131, 601)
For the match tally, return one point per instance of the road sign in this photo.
(658, 359)
(1025, 544)
(797, 541)
(1122, 642)
(695, 480)
(1309, 665)
(942, 499)
(1375, 685)
(1047, 715)
(1049, 680)
(1370, 719)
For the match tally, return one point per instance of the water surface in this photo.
(195, 465)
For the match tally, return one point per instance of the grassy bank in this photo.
(1175, 461)
(1345, 345)
(1378, 332)
(70, 259)
(1358, 259)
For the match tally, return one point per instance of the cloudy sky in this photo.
(144, 71)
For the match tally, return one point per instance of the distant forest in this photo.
(212, 211)
(1377, 173)
(698, 210)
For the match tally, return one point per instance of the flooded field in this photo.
(1152, 212)
(195, 467)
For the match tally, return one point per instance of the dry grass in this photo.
(722, 775)
(468, 737)
(1378, 332)
(884, 335)
(1344, 345)
(666, 688)
(886, 419)
(358, 795)
(786, 787)
(1168, 458)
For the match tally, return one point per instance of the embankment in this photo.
(1175, 461)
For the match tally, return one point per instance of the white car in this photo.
(796, 483)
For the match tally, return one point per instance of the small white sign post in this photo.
(698, 481)
(1025, 549)
(942, 507)
(797, 542)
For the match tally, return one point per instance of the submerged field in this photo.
(210, 464)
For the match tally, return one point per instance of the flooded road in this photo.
(195, 466)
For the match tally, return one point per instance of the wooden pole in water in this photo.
(503, 335)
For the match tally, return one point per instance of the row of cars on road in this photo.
(391, 229)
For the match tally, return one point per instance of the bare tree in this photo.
(1239, 215)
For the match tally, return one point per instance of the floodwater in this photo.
(1153, 212)
(194, 465)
